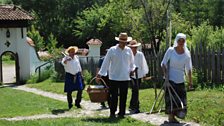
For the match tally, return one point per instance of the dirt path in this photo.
(90, 109)
(8, 72)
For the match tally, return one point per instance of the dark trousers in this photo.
(134, 103)
(78, 97)
(122, 88)
(181, 92)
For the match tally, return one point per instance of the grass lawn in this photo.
(204, 107)
(87, 121)
(19, 103)
(47, 85)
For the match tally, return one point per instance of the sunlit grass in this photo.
(85, 121)
(19, 103)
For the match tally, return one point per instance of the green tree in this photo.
(155, 20)
(5, 1)
(217, 15)
(208, 36)
(216, 39)
(52, 46)
(104, 22)
(144, 20)
(51, 43)
(199, 11)
(37, 38)
(200, 34)
(56, 17)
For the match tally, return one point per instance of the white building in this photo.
(13, 38)
(94, 49)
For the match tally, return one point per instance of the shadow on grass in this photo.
(8, 85)
(59, 111)
(102, 120)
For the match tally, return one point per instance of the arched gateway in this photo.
(13, 38)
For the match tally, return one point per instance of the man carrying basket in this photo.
(119, 63)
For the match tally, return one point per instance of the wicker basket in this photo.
(98, 93)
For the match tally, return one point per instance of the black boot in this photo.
(70, 106)
(78, 105)
(78, 99)
(69, 99)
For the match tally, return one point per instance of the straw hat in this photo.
(134, 43)
(123, 37)
(75, 48)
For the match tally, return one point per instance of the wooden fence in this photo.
(207, 63)
(90, 64)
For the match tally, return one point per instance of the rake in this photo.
(159, 100)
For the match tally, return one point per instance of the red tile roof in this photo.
(94, 42)
(11, 12)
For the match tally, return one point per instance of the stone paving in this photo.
(8, 73)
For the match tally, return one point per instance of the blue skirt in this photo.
(73, 82)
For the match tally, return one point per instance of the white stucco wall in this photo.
(28, 60)
(94, 51)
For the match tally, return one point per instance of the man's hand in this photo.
(98, 77)
(67, 59)
(190, 87)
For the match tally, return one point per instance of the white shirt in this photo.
(141, 63)
(73, 66)
(119, 63)
(178, 64)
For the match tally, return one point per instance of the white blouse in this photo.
(73, 66)
(141, 63)
(119, 63)
(178, 64)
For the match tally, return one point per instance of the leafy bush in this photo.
(52, 46)
(87, 76)
(201, 34)
(37, 38)
(5, 58)
(197, 79)
(45, 74)
(56, 77)
(33, 79)
(179, 24)
(217, 39)
(208, 36)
